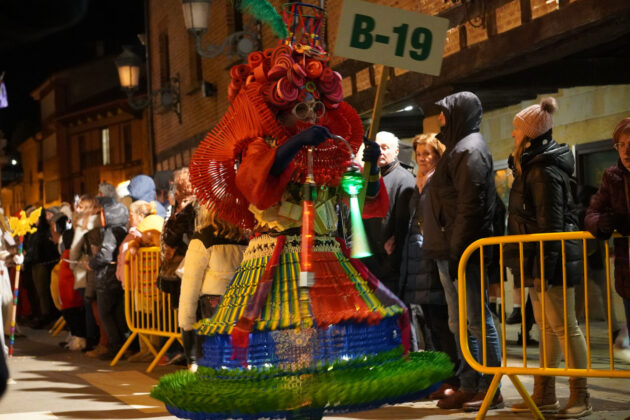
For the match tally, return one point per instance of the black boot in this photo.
(528, 340)
(515, 317)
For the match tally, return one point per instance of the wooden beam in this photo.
(526, 11)
(579, 26)
(463, 37)
(491, 23)
(463, 12)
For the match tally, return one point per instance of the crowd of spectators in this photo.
(74, 263)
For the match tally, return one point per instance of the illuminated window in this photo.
(105, 146)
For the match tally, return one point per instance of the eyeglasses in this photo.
(302, 110)
(621, 146)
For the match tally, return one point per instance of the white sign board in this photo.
(393, 37)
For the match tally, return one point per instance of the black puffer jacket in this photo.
(104, 262)
(179, 228)
(541, 201)
(419, 279)
(462, 191)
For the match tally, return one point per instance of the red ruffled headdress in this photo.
(272, 81)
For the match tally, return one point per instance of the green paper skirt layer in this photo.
(358, 382)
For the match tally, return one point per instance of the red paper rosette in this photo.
(279, 50)
(276, 73)
(336, 95)
(297, 68)
(283, 60)
(255, 59)
(314, 69)
(243, 70)
(327, 75)
(260, 74)
(295, 78)
(287, 90)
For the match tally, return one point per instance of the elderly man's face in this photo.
(389, 152)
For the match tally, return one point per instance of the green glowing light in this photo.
(352, 181)
(360, 247)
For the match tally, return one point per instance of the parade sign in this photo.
(393, 37)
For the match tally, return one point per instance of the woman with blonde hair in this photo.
(213, 255)
(420, 284)
(138, 210)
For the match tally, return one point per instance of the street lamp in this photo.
(128, 65)
(197, 18)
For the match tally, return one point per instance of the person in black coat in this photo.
(459, 211)
(109, 292)
(42, 255)
(386, 235)
(541, 201)
(420, 283)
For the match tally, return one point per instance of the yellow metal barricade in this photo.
(512, 370)
(148, 310)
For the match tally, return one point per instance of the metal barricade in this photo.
(592, 370)
(148, 310)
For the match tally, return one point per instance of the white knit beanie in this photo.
(536, 119)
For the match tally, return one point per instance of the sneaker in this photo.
(622, 354)
(515, 317)
(76, 344)
(456, 401)
(97, 351)
(475, 403)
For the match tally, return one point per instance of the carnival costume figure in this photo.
(302, 329)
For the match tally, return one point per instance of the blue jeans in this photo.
(470, 379)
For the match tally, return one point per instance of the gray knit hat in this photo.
(536, 119)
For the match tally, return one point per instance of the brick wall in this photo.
(174, 141)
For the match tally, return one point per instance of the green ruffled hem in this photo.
(343, 383)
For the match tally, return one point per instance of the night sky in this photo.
(40, 37)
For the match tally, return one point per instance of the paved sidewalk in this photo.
(53, 383)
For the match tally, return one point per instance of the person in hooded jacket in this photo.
(142, 187)
(109, 292)
(460, 210)
(541, 200)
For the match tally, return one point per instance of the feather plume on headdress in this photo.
(266, 13)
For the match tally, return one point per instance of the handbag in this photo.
(168, 281)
